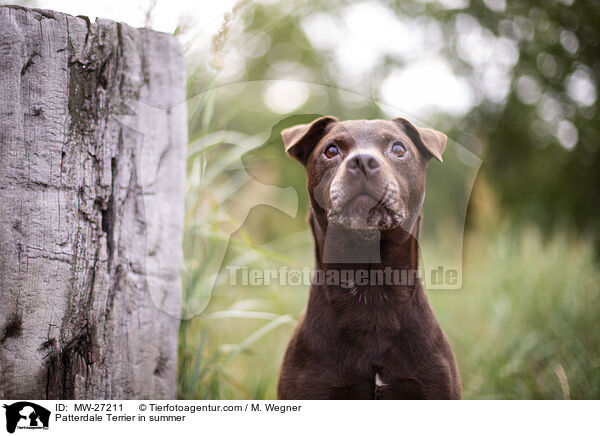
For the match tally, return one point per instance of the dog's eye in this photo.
(398, 149)
(331, 151)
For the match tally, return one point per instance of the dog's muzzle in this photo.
(365, 195)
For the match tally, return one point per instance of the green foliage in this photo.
(523, 325)
(518, 137)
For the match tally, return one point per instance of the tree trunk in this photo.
(91, 209)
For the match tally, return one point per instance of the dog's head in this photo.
(365, 175)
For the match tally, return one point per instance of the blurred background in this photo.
(514, 86)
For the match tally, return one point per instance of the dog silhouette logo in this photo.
(26, 415)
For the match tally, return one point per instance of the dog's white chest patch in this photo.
(378, 381)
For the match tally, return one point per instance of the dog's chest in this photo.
(398, 388)
(379, 386)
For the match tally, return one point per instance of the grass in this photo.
(524, 325)
(226, 328)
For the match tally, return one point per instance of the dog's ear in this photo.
(431, 140)
(300, 140)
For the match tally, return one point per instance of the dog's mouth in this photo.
(361, 202)
(363, 211)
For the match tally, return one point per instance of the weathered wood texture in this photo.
(91, 210)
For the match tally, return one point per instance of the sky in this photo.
(425, 84)
(165, 17)
(359, 36)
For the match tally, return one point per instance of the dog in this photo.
(357, 338)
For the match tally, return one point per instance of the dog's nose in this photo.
(365, 163)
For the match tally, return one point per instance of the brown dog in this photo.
(368, 331)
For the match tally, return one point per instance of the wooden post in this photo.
(91, 209)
